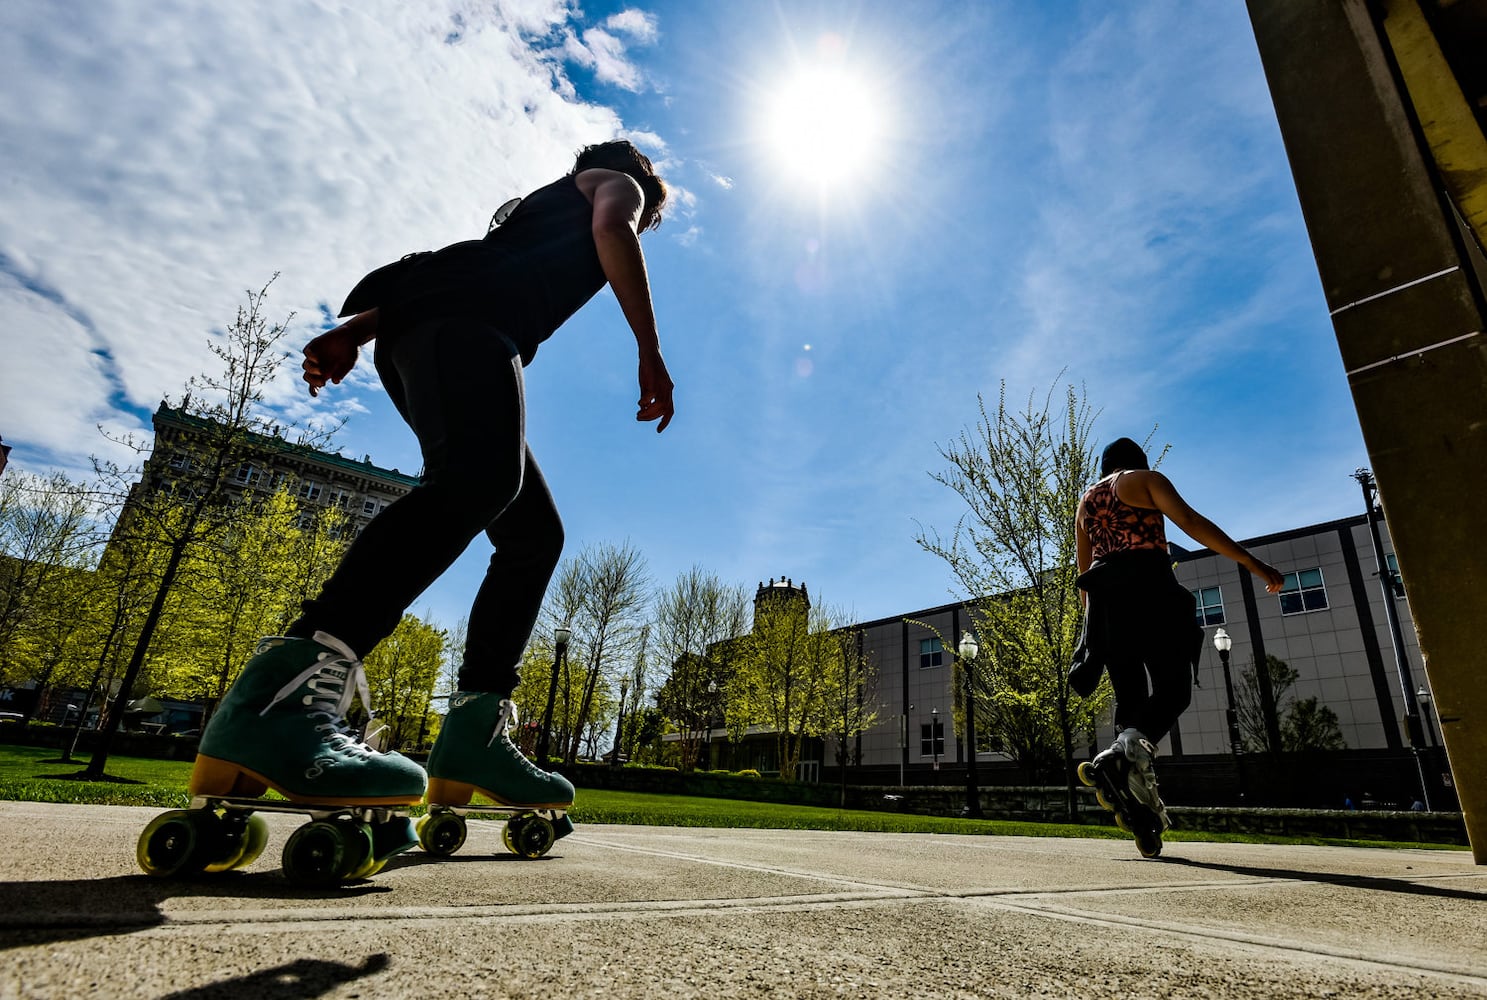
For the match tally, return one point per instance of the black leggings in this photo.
(1154, 710)
(458, 384)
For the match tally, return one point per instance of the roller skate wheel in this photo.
(171, 845)
(1120, 821)
(315, 855)
(359, 861)
(1105, 803)
(530, 836)
(1086, 773)
(241, 838)
(441, 833)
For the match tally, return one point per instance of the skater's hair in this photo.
(621, 155)
(1122, 454)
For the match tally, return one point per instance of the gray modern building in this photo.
(1330, 625)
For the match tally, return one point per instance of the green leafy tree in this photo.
(852, 707)
(1021, 474)
(696, 617)
(789, 672)
(47, 536)
(401, 673)
(188, 507)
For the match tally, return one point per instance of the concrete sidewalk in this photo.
(656, 912)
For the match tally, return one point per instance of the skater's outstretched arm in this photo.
(1142, 488)
(330, 356)
(619, 205)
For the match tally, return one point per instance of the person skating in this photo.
(1140, 624)
(453, 331)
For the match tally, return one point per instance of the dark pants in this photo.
(1153, 708)
(458, 384)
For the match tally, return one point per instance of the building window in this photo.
(1210, 601)
(369, 507)
(248, 474)
(931, 653)
(932, 745)
(340, 498)
(1395, 579)
(309, 490)
(1303, 592)
(180, 460)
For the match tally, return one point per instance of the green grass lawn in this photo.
(36, 775)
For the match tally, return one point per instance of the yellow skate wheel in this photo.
(254, 842)
(1086, 773)
(441, 833)
(1120, 821)
(530, 836)
(1104, 802)
(172, 845)
(240, 839)
(315, 855)
(358, 862)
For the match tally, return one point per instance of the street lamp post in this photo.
(1223, 643)
(619, 724)
(1423, 697)
(968, 650)
(707, 737)
(934, 732)
(1396, 633)
(560, 636)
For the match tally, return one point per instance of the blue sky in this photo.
(1096, 189)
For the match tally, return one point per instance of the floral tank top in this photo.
(1115, 526)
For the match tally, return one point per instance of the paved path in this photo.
(649, 912)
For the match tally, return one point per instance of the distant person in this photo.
(454, 330)
(1140, 624)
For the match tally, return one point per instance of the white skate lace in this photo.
(334, 730)
(506, 720)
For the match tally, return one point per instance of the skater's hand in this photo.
(655, 390)
(1273, 578)
(329, 357)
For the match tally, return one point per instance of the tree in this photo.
(852, 708)
(695, 619)
(191, 505)
(788, 673)
(1305, 723)
(46, 538)
(1021, 476)
(401, 672)
(603, 591)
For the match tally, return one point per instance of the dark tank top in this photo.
(524, 279)
(1115, 526)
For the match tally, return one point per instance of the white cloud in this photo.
(638, 24)
(162, 160)
(726, 183)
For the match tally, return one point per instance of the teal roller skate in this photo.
(282, 726)
(473, 756)
(1126, 784)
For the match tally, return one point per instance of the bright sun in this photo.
(823, 125)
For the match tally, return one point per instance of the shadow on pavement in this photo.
(73, 909)
(299, 980)
(1370, 882)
